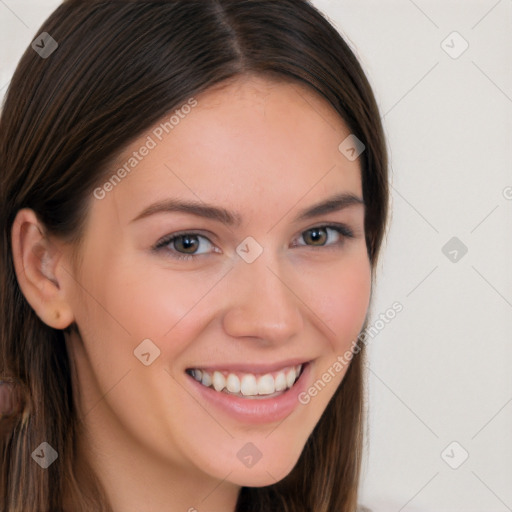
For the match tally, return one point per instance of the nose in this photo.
(262, 303)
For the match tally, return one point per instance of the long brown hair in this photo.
(120, 66)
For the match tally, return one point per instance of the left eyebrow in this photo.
(200, 209)
(333, 204)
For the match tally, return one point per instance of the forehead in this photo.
(253, 142)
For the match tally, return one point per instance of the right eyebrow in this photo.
(335, 203)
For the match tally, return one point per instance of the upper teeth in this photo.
(248, 384)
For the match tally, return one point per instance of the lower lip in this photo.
(256, 411)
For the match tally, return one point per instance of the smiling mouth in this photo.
(248, 385)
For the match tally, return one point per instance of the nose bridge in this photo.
(262, 304)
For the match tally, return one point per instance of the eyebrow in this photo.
(234, 219)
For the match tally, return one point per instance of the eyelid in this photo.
(168, 238)
(343, 229)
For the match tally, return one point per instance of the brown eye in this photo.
(184, 246)
(188, 243)
(317, 236)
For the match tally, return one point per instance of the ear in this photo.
(36, 261)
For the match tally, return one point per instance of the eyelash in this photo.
(161, 245)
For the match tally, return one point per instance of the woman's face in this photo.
(247, 292)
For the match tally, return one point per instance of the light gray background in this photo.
(440, 371)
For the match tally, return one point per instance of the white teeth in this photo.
(219, 382)
(206, 379)
(280, 381)
(266, 385)
(233, 383)
(248, 384)
(290, 377)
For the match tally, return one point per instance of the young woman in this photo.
(193, 197)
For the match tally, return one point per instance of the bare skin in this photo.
(265, 150)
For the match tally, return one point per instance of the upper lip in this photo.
(253, 367)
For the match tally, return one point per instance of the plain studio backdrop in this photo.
(440, 385)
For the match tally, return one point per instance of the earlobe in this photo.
(35, 259)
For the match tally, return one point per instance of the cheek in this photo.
(345, 301)
(151, 302)
(132, 300)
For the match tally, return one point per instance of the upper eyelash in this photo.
(340, 228)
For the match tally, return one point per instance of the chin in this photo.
(262, 475)
(261, 478)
